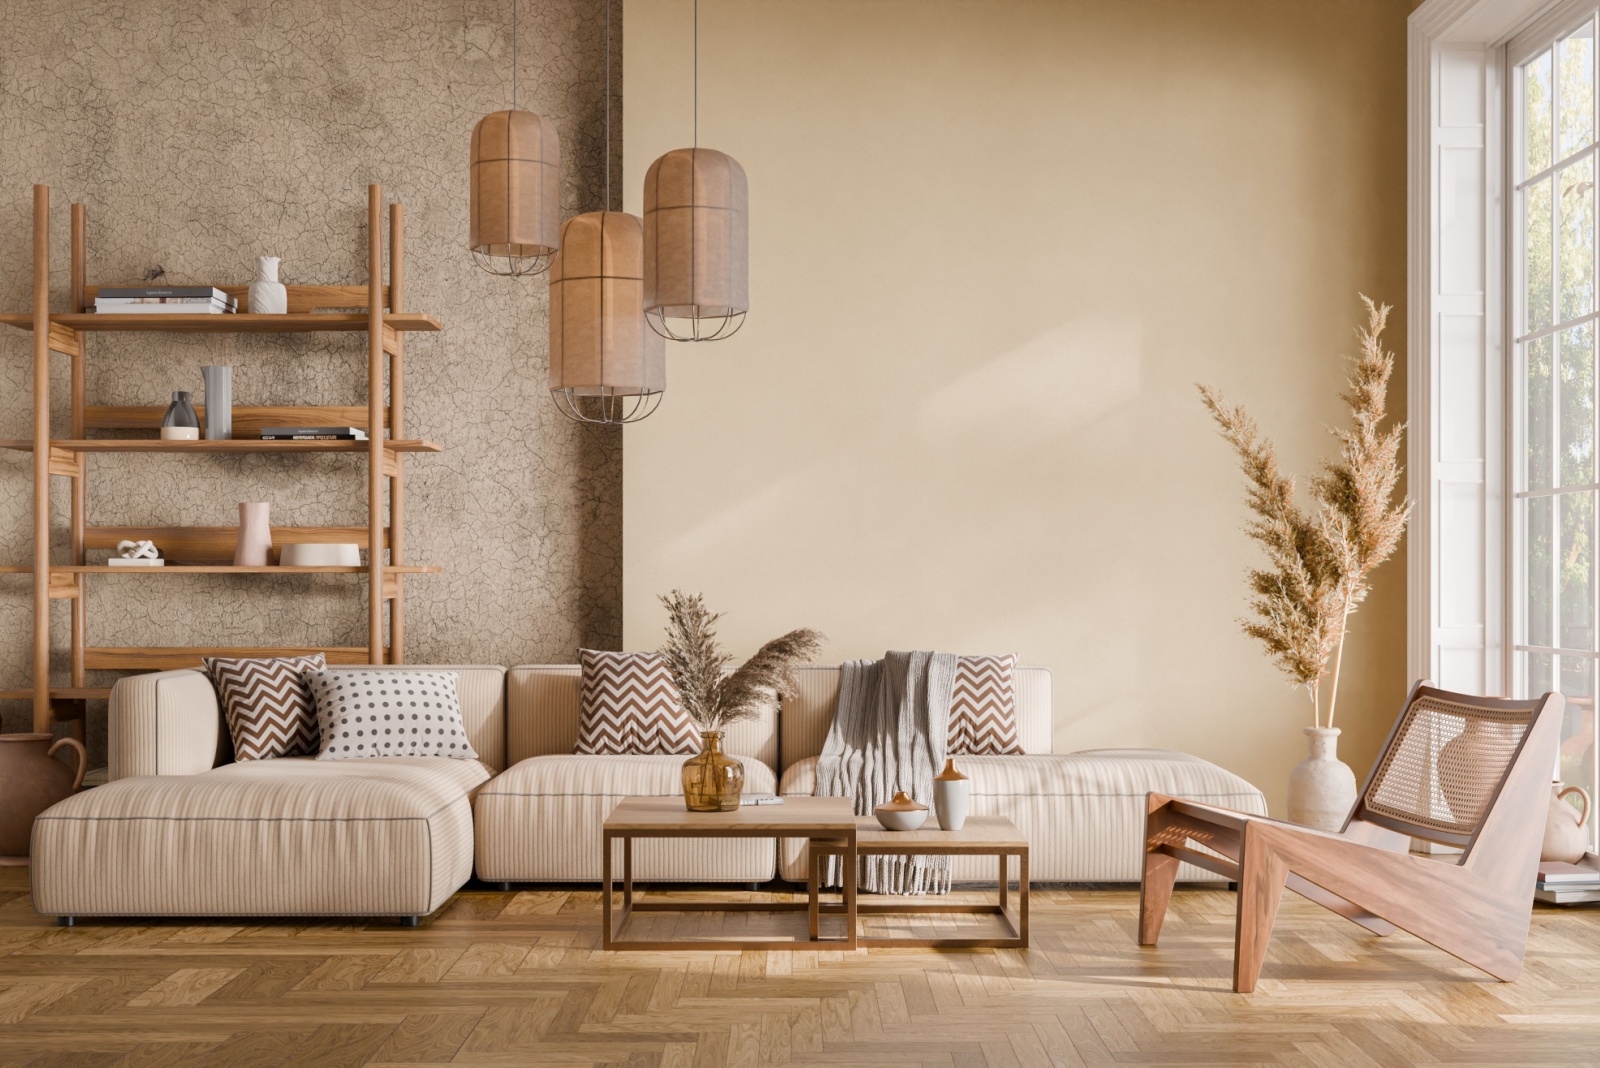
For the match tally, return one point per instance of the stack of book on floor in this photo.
(312, 433)
(1568, 884)
(164, 300)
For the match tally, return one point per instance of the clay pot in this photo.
(30, 782)
(902, 813)
(1564, 839)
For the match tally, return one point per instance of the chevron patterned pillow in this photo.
(983, 707)
(268, 708)
(630, 706)
(384, 713)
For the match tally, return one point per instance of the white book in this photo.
(162, 309)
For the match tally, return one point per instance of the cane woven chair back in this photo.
(1445, 764)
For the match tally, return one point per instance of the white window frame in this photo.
(1457, 353)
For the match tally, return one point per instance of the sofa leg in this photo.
(410, 921)
(505, 888)
(66, 921)
(753, 887)
(1233, 888)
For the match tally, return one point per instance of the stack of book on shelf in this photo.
(312, 433)
(1568, 884)
(164, 300)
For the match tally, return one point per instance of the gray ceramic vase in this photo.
(219, 402)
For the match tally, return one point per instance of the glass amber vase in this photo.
(712, 780)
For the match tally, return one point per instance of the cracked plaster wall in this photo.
(202, 135)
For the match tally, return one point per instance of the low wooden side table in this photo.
(993, 836)
(818, 819)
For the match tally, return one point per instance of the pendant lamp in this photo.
(515, 186)
(606, 365)
(696, 237)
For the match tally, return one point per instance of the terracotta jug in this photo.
(30, 782)
(1564, 839)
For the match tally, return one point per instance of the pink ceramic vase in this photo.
(255, 535)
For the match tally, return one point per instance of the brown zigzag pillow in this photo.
(630, 705)
(983, 707)
(269, 709)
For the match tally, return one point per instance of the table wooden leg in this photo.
(1023, 893)
(813, 889)
(1005, 878)
(605, 884)
(851, 862)
(627, 874)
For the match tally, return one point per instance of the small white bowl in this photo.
(180, 433)
(320, 554)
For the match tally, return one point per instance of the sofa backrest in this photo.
(809, 713)
(483, 703)
(542, 717)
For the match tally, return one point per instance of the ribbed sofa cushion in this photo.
(294, 836)
(540, 821)
(1083, 813)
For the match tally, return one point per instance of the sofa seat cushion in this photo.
(1083, 813)
(287, 837)
(541, 819)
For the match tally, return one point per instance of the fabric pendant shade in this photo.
(516, 192)
(696, 245)
(606, 365)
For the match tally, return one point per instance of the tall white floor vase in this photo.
(1322, 789)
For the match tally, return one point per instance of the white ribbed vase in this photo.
(1322, 789)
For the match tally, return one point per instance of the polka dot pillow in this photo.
(370, 713)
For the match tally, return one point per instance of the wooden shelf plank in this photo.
(236, 445)
(303, 322)
(165, 658)
(215, 545)
(61, 693)
(299, 298)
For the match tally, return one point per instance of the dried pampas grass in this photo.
(712, 696)
(1318, 564)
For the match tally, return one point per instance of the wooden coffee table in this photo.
(993, 836)
(818, 819)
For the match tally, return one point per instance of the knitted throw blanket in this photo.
(888, 735)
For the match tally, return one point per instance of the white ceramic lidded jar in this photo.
(951, 792)
(267, 295)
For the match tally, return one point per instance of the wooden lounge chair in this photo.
(1486, 793)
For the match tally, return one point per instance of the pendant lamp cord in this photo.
(608, 105)
(696, 73)
(514, 36)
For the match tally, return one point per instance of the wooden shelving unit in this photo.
(209, 550)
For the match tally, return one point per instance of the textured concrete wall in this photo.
(203, 135)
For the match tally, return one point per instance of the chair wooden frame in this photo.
(1477, 910)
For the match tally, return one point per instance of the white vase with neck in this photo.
(1322, 789)
(267, 295)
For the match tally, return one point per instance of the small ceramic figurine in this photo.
(901, 814)
(141, 553)
(267, 295)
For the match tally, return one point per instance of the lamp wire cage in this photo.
(607, 408)
(515, 186)
(708, 325)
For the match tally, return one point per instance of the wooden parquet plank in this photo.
(427, 1037)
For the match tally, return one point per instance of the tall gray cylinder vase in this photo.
(219, 402)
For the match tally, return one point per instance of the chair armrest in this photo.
(166, 723)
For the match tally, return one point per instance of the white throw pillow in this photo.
(389, 713)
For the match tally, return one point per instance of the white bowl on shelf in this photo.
(320, 554)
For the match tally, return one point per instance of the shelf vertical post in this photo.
(375, 442)
(41, 458)
(397, 426)
(80, 484)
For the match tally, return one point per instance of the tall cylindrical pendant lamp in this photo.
(606, 366)
(516, 192)
(696, 245)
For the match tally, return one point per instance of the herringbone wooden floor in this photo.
(515, 979)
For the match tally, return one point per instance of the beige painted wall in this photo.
(993, 245)
(202, 135)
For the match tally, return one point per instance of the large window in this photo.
(1555, 598)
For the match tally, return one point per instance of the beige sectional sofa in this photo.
(181, 830)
